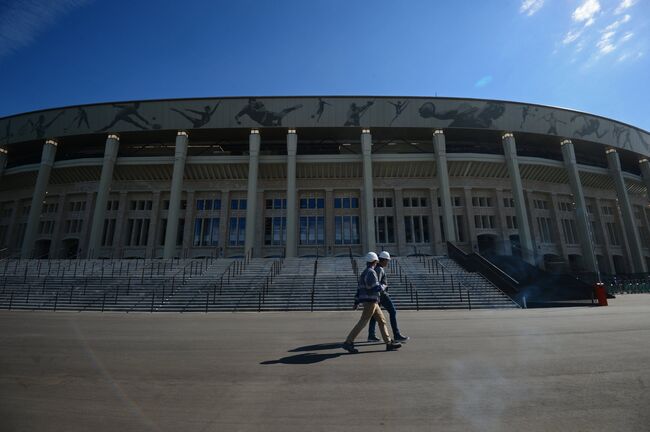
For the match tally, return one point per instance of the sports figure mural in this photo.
(125, 114)
(203, 116)
(399, 109)
(465, 115)
(355, 112)
(39, 127)
(258, 113)
(321, 108)
(590, 126)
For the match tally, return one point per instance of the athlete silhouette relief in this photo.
(80, 117)
(355, 112)
(321, 107)
(525, 113)
(204, 116)
(399, 109)
(125, 114)
(619, 132)
(39, 127)
(590, 126)
(465, 115)
(8, 133)
(258, 113)
(552, 123)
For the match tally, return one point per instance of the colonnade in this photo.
(368, 238)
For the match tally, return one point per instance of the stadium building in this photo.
(306, 176)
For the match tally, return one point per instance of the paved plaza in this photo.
(578, 369)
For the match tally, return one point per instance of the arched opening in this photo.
(553, 263)
(515, 245)
(603, 265)
(42, 249)
(575, 263)
(487, 244)
(619, 264)
(70, 248)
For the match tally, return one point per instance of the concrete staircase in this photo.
(258, 284)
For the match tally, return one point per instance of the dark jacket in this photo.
(368, 287)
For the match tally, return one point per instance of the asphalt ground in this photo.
(576, 369)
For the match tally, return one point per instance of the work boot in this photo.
(349, 347)
(373, 338)
(392, 346)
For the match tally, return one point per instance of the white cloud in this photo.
(21, 21)
(586, 12)
(571, 36)
(530, 7)
(625, 4)
(626, 37)
(616, 24)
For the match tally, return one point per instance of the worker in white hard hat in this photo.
(386, 302)
(368, 290)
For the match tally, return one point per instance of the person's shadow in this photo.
(311, 357)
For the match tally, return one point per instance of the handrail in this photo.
(313, 284)
(478, 263)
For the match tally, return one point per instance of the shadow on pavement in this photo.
(328, 346)
(311, 357)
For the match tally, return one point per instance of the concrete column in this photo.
(3, 161)
(59, 221)
(440, 151)
(154, 217)
(525, 239)
(180, 155)
(557, 222)
(40, 189)
(469, 215)
(223, 221)
(292, 208)
(644, 164)
(120, 226)
(629, 225)
(188, 228)
(13, 227)
(110, 155)
(605, 236)
(84, 236)
(251, 197)
(582, 221)
(505, 247)
(436, 239)
(330, 238)
(368, 191)
(400, 230)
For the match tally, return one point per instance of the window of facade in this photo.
(508, 202)
(511, 222)
(384, 229)
(206, 231)
(544, 226)
(346, 230)
(484, 221)
(612, 233)
(137, 232)
(237, 231)
(482, 201)
(108, 232)
(569, 230)
(312, 230)
(417, 229)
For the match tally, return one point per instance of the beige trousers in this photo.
(370, 310)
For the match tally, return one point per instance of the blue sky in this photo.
(589, 55)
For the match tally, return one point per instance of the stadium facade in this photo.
(300, 176)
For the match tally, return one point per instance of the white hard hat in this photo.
(371, 256)
(384, 255)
